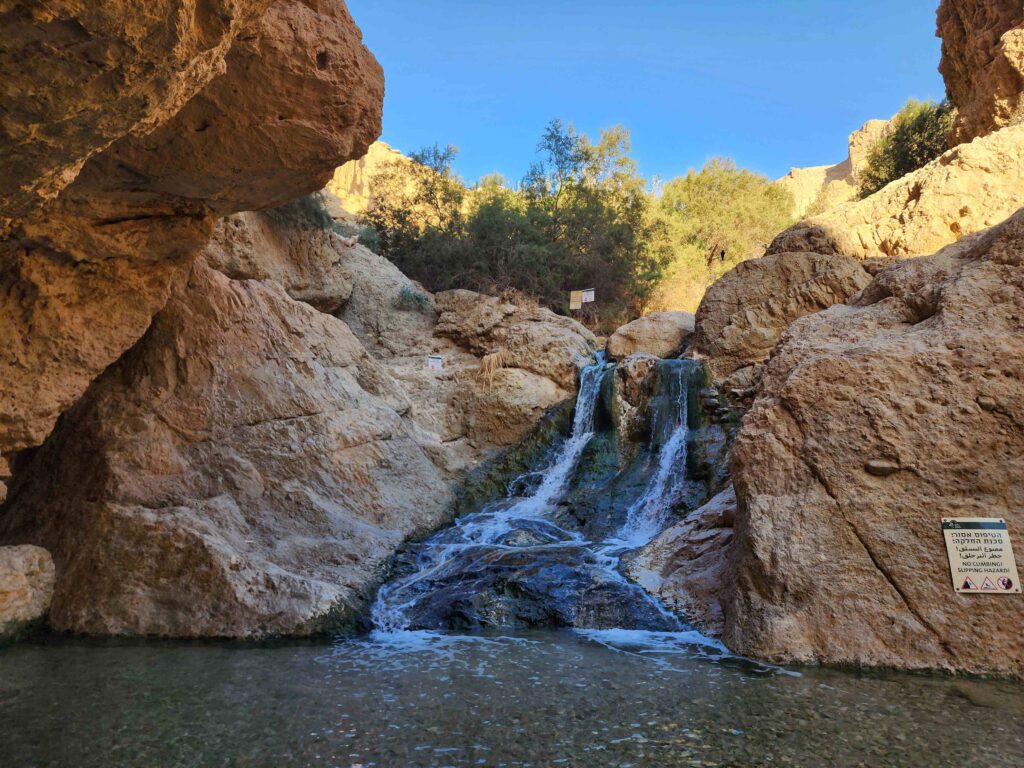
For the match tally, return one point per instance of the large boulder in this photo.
(687, 565)
(983, 63)
(874, 420)
(244, 471)
(126, 137)
(662, 334)
(968, 189)
(744, 314)
(26, 586)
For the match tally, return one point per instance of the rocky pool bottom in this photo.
(579, 699)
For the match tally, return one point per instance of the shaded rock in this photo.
(26, 586)
(662, 334)
(983, 63)
(836, 564)
(744, 314)
(687, 566)
(126, 134)
(244, 471)
(302, 257)
(968, 189)
(632, 385)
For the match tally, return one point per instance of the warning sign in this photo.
(575, 299)
(588, 296)
(435, 363)
(980, 555)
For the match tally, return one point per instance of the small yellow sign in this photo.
(980, 556)
(576, 300)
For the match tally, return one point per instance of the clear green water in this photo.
(544, 699)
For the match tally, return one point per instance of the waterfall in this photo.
(526, 562)
(647, 516)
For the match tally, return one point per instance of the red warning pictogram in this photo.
(987, 584)
(968, 584)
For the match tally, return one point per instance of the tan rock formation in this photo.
(662, 334)
(75, 76)
(983, 63)
(26, 586)
(348, 191)
(688, 565)
(744, 314)
(631, 395)
(121, 157)
(243, 471)
(303, 258)
(873, 421)
(824, 187)
(970, 188)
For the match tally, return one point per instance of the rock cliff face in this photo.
(348, 191)
(983, 63)
(920, 374)
(823, 187)
(744, 314)
(249, 467)
(968, 189)
(26, 587)
(124, 136)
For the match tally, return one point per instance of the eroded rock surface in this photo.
(983, 63)
(744, 314)
(662, 334)
(26, 586)
(968, 189)
(874, 420)
(127, 134)
(242, 472)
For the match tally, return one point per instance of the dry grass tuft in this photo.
(491, 363)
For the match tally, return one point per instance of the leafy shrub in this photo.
(411, 299)
(919, 133)
(714, 219)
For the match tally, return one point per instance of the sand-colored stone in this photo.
(26, 586)
(662, 334)
(968, 189)
(349, 191)
(823, 187)
(983, 63)
(126, 133)
(744, 314)
(687, 566)
(873, 421)
(243, 471)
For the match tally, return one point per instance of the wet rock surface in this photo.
(26, 587)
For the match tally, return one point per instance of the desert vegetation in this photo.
(920, 132)
(581, 217)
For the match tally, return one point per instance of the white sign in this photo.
(435, 363)
(588, 295)
(980, 555)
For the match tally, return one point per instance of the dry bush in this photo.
(491, 363)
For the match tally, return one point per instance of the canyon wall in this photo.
(983, 63)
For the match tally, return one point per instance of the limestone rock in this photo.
(662, 334)
(302, 257)
(823, 187)
(348, 191)
(868, 428)
(533, 338)
(687, 565)
(75, 76)
(983, 63)
(122, 134)
(26, 586)
(631, 385)
(744, 314)
(244, 471)
(968, 189)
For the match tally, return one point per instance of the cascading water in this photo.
(516, 563)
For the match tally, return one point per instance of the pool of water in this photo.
(580, 699)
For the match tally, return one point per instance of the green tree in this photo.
(919, 133)
(714, 219)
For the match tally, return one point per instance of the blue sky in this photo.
(770, 83)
